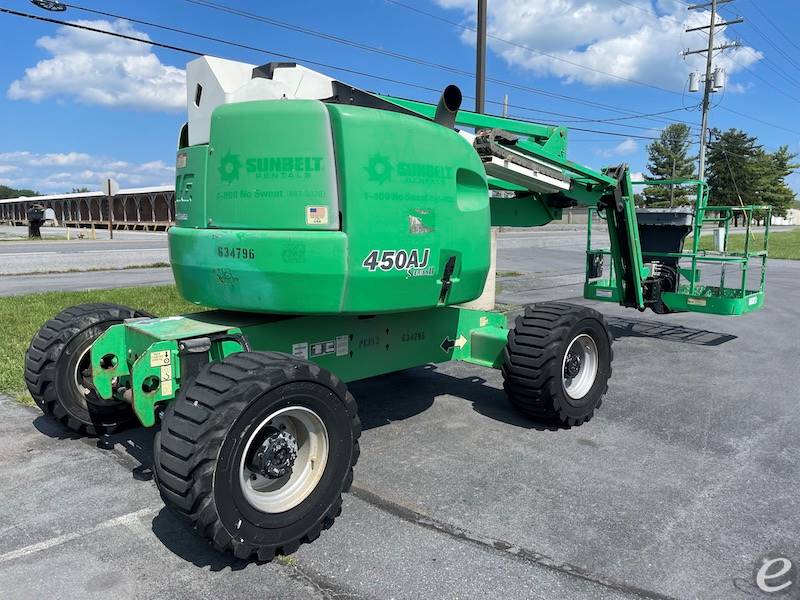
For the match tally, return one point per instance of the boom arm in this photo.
(530, 160)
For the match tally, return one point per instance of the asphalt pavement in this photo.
(685, 478)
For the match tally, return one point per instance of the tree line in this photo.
(9, 192)
(738, 170)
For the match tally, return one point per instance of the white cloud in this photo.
(55, 172)
(625, 147)
(642, 42)
(97, 69)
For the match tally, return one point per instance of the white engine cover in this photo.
(211, 82)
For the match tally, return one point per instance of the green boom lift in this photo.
(338, 234)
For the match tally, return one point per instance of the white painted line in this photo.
(129, 519)
(120, 250)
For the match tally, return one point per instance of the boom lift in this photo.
(336, 233)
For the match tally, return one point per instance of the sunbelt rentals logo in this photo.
(229, 167)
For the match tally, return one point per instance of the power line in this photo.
(773, 68)
(325, 65)
(625, 135)
(769, 83)
(576, 118)
(87, 28)
(774, 26)
(529, 49)
(614, 119)
(777, 48)
(763, 122)
(651, 12)
(571, 118)
(733, 177)
(451, 69)
(573, 140)
(196, 53)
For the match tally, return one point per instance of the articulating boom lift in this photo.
(337, 233)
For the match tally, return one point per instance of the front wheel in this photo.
(557, 362)
(257, 451)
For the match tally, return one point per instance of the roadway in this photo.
(56, 255)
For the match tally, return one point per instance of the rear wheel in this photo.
(557, 362)
(257, 451)
(58, 368)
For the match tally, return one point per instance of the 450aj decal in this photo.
(414, 262)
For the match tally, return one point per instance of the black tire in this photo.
(533, 362)
(52, 363)
(203, 436)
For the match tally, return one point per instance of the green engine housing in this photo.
(302, 206)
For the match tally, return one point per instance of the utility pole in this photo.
(710, 83)
(486, 301)
(480, 62)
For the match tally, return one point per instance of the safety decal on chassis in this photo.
(340, 346)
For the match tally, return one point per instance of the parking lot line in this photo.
(127, 519)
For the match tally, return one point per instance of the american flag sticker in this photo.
(316, 215)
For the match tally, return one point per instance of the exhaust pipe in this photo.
(448, 107)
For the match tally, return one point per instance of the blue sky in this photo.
(77, 106)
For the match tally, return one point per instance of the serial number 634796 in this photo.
(236, 252)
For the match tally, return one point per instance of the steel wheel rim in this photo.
(81, 366)
(578, 383)
(82, 376)
(284, 493)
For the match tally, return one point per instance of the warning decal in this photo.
(160, 358)
(300, 350)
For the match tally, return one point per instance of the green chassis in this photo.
(145, 360)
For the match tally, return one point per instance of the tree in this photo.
(80, 190)
(774, 167)
(669, 159)
(9, 192)
(732, 172)
(741, 172)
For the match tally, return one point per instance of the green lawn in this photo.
(22, 316)
(782, 244)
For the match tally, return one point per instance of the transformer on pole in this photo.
(714, 79)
